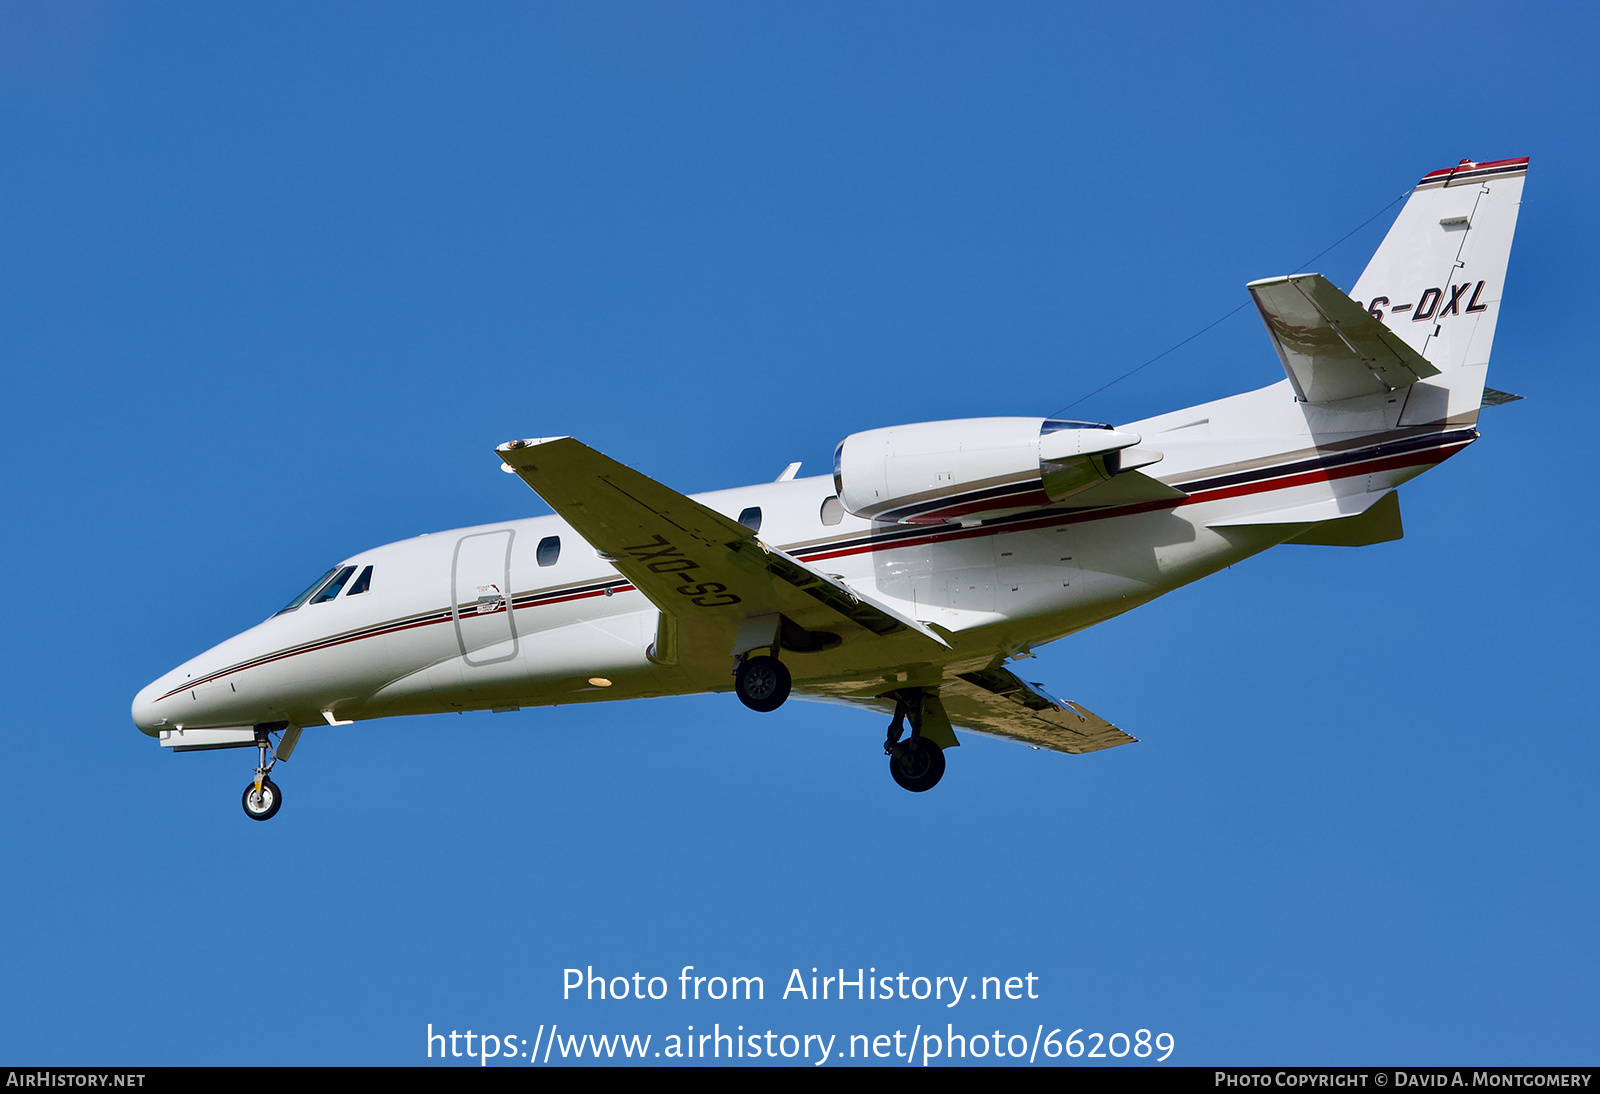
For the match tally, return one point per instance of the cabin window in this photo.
(331, 589)
(303, 597)
(549, 550)
(363, 583)
(832, 510)
(751, 518)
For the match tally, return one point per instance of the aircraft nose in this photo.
(147, 715)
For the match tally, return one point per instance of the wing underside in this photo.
(998, 703)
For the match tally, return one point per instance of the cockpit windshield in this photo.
(331, 589)
(303, 597)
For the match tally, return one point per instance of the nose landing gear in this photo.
(262, 797)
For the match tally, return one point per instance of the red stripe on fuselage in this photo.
(1389, 463)
(1365, 467)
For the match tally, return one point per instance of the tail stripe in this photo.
(1466, 171)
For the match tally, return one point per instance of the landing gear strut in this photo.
(762, 683)
(262, 797)
(917, 764)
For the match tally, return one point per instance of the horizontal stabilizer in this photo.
(1314, 512)
(1491, 397)
(1330, 346)
(1380, 524)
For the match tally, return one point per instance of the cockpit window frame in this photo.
(362, 583)
(334, 586)
(305, 596)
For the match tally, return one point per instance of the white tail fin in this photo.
(1437, 278)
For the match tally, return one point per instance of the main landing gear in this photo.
(917, 764)
(761, 682)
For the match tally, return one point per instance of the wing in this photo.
(1330, 347)
(692, 562)
(996, 702)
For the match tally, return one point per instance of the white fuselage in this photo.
(435, 631)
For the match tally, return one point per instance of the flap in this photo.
(1330, 346)
(688, 559)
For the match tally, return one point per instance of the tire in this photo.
(919, 766)
(762, 683)
(267, 807)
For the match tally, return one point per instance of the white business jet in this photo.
(934, 554)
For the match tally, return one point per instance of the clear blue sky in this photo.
(276, 279)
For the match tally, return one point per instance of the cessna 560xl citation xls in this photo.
(934, 552)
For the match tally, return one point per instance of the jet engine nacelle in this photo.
(970, 468)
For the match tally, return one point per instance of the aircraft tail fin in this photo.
(1437, 278)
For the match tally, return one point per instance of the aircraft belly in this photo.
(1108, 567)
(897, 573)
(957, 575)
(1035, 571)
(613, 648)
(969, 577)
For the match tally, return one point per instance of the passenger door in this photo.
(480, 584)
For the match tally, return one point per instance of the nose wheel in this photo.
(261, 801)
